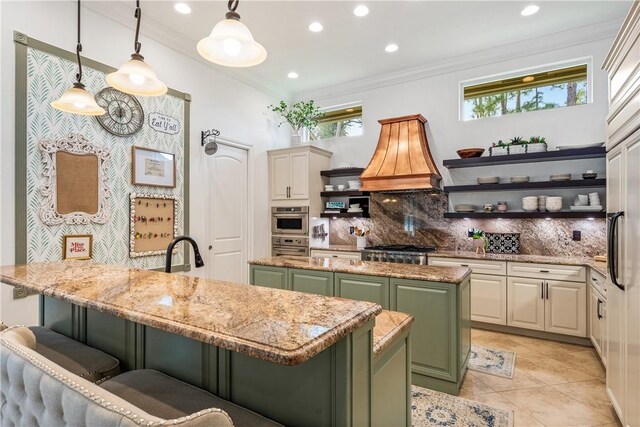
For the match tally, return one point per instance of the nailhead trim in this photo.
(92, 396)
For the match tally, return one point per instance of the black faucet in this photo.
(198, 258)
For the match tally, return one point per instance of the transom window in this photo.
(541, 90)
(338, 122)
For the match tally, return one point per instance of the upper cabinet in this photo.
(623, 65)
(294, 176)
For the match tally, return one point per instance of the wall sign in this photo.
(163, 123)
(77, 246)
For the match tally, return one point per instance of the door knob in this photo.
(210, 247)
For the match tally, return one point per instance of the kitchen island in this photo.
(297, 358)
(437, 297)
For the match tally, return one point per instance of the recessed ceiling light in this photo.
(392, 47)
(292, 75)
(182, 8)
(361, 10)
(316, 27)
(528, 79)
(530, 10)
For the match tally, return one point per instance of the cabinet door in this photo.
(363, 288)
(595, 328)
(280, 172)
(566, 308)
(270, 277)
(525, 303)
(311, 282)
(604, 343)
(299, 175)
(489, 299)
(435, 332)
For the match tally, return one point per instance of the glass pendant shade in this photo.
(231, 44)
(77, 100)
(135, 77)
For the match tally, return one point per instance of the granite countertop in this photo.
(389, 324)
(337, 248)
(542, 259)
(279, 326)
(430, 273)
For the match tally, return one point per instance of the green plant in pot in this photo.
(518, 145)
(537, 144)
(302, 114)
(479, 240)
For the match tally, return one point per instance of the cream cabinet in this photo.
(325, 253)
(597, 319)
(565, 308)
(525, 303)
(489, 299)
(294, 176)
(572, 273)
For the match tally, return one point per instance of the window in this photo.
(542, 90)
(343, 121)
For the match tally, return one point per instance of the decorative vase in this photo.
(296, 139)
(479, 244)
(361, 242)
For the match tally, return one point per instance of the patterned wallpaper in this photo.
(47, 77)
(417, 218)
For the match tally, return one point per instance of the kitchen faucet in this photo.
(198, 258)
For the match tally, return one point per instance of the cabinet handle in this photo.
(464, 265)
(288, 192)
(547, 283)
(542, 290)
(598, 309)
(544, 271)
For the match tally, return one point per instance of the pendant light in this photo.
(77, 100)
(135, 77)
(231, 43)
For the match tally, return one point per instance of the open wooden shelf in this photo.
(342, 172)
(345, 193)
(561, 214)
(527, 185)
(345, 215)
(509, 159)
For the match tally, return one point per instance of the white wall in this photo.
(218, 101)
(436, 98)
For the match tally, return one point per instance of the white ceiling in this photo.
(352, 48)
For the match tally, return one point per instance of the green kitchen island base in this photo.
(439, 298)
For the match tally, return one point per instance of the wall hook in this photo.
(208, 133)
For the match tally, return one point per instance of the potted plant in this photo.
(479, 241)
(300, 115)
(518, 145)
(499, 149)
(537, 144)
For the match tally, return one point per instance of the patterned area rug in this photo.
(432, 408)
(492, 361)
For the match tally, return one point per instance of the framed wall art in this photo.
(77, 246)
(153, 224)
(152, 167)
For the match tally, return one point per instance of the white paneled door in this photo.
(228, 218)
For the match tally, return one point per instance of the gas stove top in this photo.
(406, 254)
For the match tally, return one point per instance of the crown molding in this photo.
(122, 14)
(538, 45)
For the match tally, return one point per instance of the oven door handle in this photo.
(288, 215)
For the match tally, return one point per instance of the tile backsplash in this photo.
(417, 218)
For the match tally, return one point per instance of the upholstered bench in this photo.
(37, 392)
(166, 397)
(77, 358)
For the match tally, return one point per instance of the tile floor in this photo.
(554, 384)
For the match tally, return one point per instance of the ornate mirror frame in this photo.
(78, 144)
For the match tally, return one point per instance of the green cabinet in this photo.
(363, 288)
(441, 337)
(311, 281)
(270, 277)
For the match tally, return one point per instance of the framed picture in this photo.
(153, 224)
(77, 246)
(152, 167)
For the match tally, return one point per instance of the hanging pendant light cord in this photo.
(78, 50)
(232, 14)
(138, 16)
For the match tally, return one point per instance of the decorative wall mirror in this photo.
(74, 186)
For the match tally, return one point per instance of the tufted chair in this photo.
(36, 392)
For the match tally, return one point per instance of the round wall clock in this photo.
(124, 114)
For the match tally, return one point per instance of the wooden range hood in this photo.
(402, 160)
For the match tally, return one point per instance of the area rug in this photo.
(432, 408)
(492, 361)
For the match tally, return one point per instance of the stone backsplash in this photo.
(417, 218)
